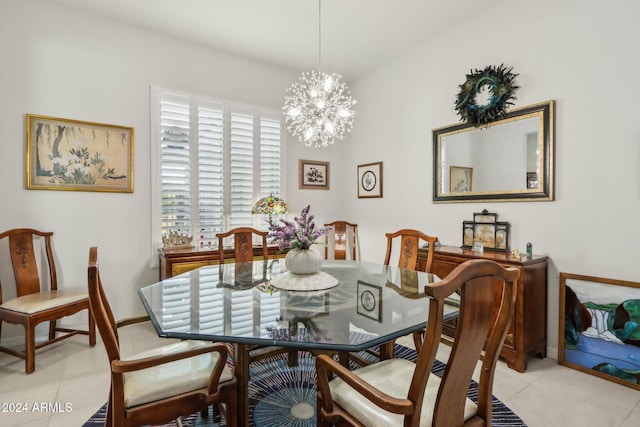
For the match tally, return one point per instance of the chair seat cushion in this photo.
(33, 303)
(169, 379)
(393, 377)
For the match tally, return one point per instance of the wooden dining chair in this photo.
(409, 244)
(398, 392)
(242, 243)
(243, 253)
(37, 302)
(410, 240)
(162, 384)
(341, 241)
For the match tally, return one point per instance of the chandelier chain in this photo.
(319, 35)
(318, 108)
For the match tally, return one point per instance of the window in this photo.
(213, 160)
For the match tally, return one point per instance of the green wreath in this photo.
(501, 85)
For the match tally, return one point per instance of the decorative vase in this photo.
(303, 261)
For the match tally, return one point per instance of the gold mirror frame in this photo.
(532, 186)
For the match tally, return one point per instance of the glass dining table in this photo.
(349, 306)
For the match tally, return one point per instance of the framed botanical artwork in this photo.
(460, 179)
(370, 180)
(598, 329)
(313, 175)
(65, 154)
(369, 301)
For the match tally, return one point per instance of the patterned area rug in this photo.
(280, 396)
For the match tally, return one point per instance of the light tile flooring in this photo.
(72, 382)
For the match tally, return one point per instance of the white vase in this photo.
(303, 261)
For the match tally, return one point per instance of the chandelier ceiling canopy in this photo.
(317, 108)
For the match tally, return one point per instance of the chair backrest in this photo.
(341, 240)
(409, 245)
(100, 308)
(242, 243)
(482, 285)
(23, 260)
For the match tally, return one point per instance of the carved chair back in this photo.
(409, 245)
(243, 243)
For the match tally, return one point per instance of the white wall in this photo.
(581, 55)
(62, 63)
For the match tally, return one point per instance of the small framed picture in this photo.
(313, 175)
(370, 180)
(369, 301)
(460, 179)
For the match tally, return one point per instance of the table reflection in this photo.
(236, 303)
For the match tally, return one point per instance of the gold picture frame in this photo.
(313, 175)
(460, 179)
(606, 348)
(74, 155)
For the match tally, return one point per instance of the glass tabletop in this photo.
(371, 304)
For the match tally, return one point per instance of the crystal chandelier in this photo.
(317, 108)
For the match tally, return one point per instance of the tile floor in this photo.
(72, 381)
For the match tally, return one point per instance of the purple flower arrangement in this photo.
(300, 233)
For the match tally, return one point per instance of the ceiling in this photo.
(356, 34)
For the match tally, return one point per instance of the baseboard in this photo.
(552, 352)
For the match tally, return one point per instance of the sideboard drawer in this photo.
(183, 267)
(178, 261)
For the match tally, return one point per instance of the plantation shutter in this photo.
(210, 171)
(270, 158)
(214, 161)
(242, 170)
(175, 169)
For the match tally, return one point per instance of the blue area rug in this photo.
(281, 396)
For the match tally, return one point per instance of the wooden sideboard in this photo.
(178, 261)
(527, 335)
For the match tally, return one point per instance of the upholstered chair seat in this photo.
(35, 303)
(181, 376)
(393, 377)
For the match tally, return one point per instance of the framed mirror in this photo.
(509, 160)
